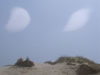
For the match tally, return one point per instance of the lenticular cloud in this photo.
(19, 20)
(77, 20)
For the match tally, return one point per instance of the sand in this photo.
(40, 69)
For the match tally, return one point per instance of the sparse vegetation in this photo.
(21, 63)
(78, 59)
(65, 59)
(81, 60)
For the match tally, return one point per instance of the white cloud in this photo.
(77, 20)
(19, 20)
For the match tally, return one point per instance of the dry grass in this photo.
(77, 59)
(64, 59)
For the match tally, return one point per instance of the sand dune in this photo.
(40, 69)
(62, 66)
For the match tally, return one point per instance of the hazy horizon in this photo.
(47, 29)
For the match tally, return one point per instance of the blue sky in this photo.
(46, 29)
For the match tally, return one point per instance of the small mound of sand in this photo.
(86, 70)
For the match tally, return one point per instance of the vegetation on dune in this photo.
(21, 63)
(72, 60)
(85, 67)
(77, 59)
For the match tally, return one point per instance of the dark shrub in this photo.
(21, 63)
(28, 63)
(86, 70)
